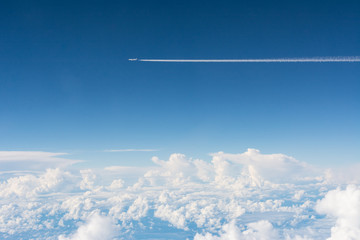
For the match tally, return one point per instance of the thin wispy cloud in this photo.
(33, 160)
(263, 60)
(131, 150)
(28, 155)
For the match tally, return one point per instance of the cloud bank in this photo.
(248, 195)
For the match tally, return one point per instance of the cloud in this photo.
(88, 179)
(261, 230)
(274, 167)
(116, 184)
(33, 160)
(27, 155)
(30, 185)
(343, 175)
(129, 174)
(131, 150)
(344, 205)
(233, 196)
(96, 228)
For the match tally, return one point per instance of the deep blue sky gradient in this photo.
(66, 84)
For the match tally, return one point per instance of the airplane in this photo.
(133, 59)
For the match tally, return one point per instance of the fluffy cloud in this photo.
(97, 228)
(233, 196)
(31, 185)
(274, 167)
(344, 205)
(88, 179)
(261, 230)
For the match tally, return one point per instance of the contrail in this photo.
(265, 60)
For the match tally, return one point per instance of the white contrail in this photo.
(265, 60)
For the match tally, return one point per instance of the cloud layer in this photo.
(234, 196)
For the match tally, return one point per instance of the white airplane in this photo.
(133, 59)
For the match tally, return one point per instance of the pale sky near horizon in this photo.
(67, 84)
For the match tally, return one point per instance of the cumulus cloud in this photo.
(233, 196)
(31, 185)
(96, 228)
(177, 167)
(273, 167)
(344, 205)
(33, 160)
(88, 179)
(116, 184)
(261, 230)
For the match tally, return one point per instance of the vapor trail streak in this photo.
(266, 60)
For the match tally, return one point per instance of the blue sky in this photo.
(66, 84)
(80, 124)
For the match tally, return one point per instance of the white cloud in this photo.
(130, 175)
(33, 160)
(231, 197)
(344, 205)
(274, 167)
(97, 228)
(116, 184)
(31, 185)
(343, 175)
(28, 156)
(261, 230)
(88, 179)
(298, 194)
